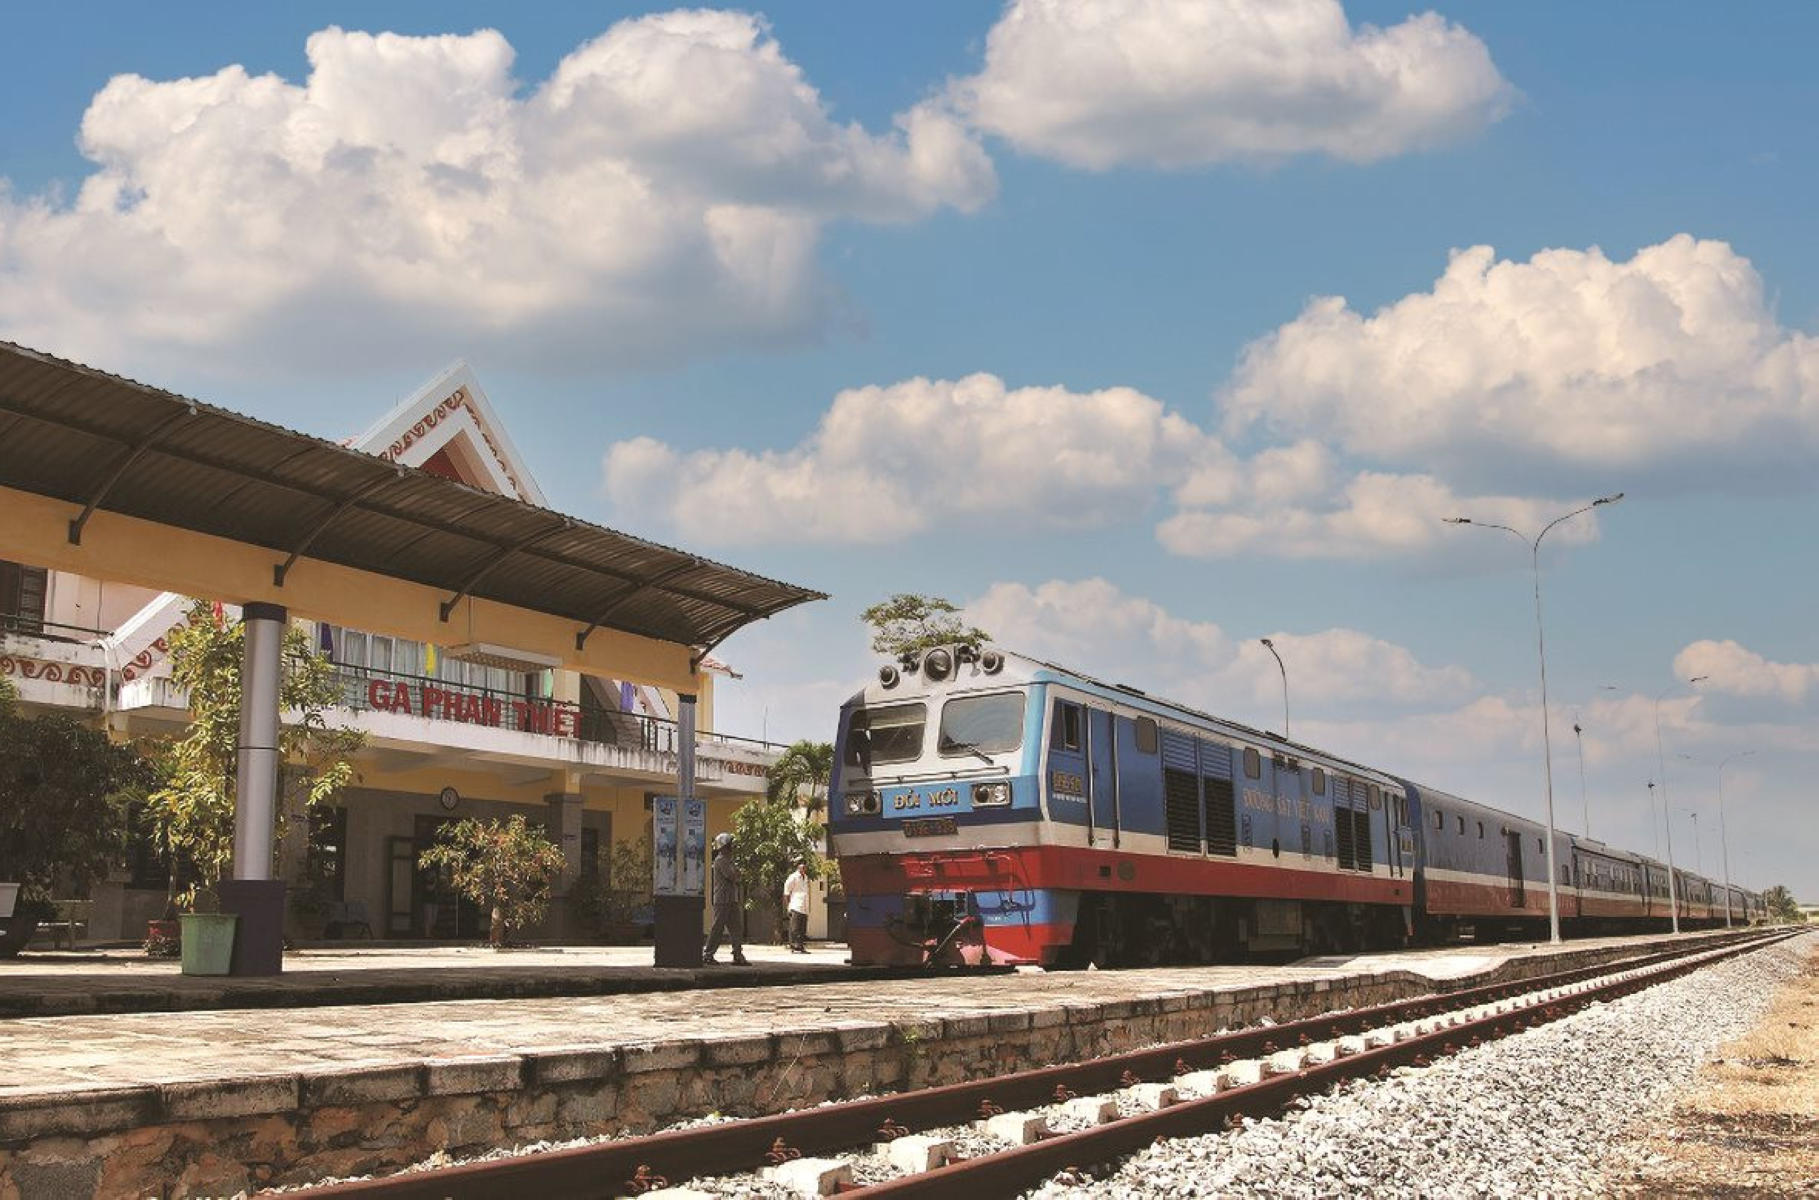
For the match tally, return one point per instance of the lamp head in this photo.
(1611, 499)
(1455, 520)
(1268, 643)
(1699, 679)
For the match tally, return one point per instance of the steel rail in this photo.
(629, 1165)
(1001, 1173)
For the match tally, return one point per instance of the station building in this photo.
(456, 728)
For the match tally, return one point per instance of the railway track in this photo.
(1115, 1105)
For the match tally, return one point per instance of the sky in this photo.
(1142, 329)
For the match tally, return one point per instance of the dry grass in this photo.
(1751, 1124)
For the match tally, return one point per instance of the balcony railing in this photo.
(365, 689)
(32, 625)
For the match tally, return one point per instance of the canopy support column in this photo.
(253, 894)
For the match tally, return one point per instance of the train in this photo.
(988, 808)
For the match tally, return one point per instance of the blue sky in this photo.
(1143, 329)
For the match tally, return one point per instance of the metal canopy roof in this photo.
(100, 441)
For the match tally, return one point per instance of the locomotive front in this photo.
(934, 800)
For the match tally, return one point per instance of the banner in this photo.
(665, 866)
(678, 846)
(694, 847)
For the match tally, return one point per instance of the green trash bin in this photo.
(208, 943)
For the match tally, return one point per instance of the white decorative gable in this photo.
(449, 426)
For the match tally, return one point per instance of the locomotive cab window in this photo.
(1253, 763)
(1439, 820)
(1481, 831)
(1147, 738)
(1064, 733)
(885, 735)
(981, 725)
(1461, 826)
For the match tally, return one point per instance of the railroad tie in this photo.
(811, 1176)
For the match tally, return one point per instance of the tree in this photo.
(800, 774)
(191, 813)
(1781, 906)
(907, 623)
(506, 866)
(64, 790)
(768, 838)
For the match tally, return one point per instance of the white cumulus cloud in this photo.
(1095, 626)
(889, 462)
(1735, 670)
(1570, 364)
(1186, 83)
(664, 188)
(1367, 515)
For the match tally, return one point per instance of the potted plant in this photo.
(64, 790)
(506, 866)
(208, 935)
(626, 897)
(311, 903)
(191, 812)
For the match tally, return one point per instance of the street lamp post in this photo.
(1698, 850)
(1547, 749)
(1271, 647)
(1724, 843)
(1673, 890)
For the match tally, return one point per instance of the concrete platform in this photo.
(210, 1102)
(62, 983)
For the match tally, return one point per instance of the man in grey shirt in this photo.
(726, 905)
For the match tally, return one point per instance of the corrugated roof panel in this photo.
(73, 433)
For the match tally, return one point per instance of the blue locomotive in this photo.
(992, 808)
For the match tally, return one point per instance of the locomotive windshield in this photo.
(885, 735)
(981, 724)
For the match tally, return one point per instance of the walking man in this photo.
(795, 898)
(727, 921)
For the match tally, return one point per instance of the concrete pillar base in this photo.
(678, 940)
(259, 934)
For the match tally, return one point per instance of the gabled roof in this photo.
(100, 441)
(451, 411)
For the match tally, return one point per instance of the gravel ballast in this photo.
(1539, 1113)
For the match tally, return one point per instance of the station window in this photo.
(1065, 732)
(1253, 763)
(1319, 782)
(22, 597)
(1147, 739)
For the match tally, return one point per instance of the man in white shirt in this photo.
(795, 898)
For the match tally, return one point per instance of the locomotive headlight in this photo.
(988, 795)
(861, 802)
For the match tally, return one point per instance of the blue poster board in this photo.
(678, 846)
